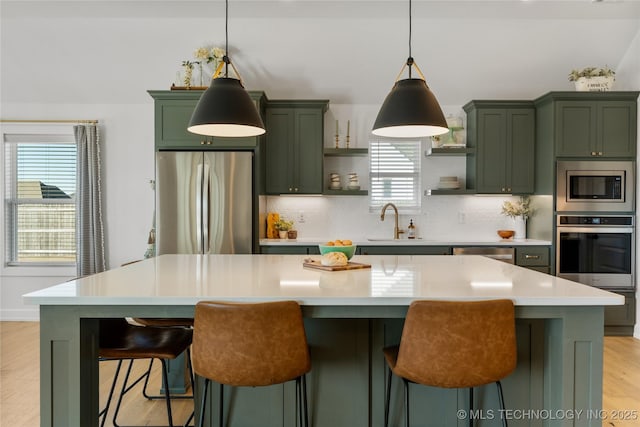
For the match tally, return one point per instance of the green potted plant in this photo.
(592, 79)
(283, 226)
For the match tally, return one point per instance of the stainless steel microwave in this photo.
(595, 186)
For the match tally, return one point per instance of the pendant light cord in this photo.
(409, 28)
(410, 59)
(226, 39)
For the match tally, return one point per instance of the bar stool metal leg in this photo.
(204, 402)
(221, 414)
(501, 398)
(105, 411)
(304, 396)
(406, 401)
(388, 399)
(470, 406)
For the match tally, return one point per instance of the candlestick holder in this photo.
(337, 141)
(347, 141)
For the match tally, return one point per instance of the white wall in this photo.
(628, 78)
(128, 165)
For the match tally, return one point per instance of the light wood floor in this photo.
(20, 389)
(19, 383)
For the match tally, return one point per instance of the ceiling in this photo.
(347, 51)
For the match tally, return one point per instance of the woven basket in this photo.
(594, 84)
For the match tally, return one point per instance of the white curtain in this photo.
(90, 251)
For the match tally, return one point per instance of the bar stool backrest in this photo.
(454, 344)
(249, 344)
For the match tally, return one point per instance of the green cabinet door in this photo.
(502, 134)
(617, 128)
(492, 151)
(576, 130)
(294, 147)
(172, 113)
(594, 125)
(520, 165)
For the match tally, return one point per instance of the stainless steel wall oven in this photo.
(596, 250)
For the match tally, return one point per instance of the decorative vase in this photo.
(292, 234)
(283, 234)
(520, 228)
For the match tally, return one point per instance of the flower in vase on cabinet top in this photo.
(188, 72)
(520, 211)
(208, 55)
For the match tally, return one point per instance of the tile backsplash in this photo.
(442, 217)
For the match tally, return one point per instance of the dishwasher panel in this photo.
(507, 255)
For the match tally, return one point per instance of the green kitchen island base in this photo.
(558, 380)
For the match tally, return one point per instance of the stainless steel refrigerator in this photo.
(204, 202)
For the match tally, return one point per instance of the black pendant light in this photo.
(410, 110)
(225, 108)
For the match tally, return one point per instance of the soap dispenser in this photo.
(411, 230)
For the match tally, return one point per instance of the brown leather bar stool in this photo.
(222, 331)
(119, 340)
(454, 345)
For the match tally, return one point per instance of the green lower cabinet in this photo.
(501, 135)
(404, 250)
(621, 319)
(172, 112)
(289, 250)
(294, 147)
(534, 258)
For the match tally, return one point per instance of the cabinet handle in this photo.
(290, 189)
(202, 142)
(599, 153)
(532, 257)
(296, 189)
(593, 153)
(509, 189)
(503, 189)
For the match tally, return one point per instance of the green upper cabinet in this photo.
(173, 109)
(294, 146)
(501, 135)
(593, 124)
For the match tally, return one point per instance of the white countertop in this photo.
(408, 242)
(392, 280)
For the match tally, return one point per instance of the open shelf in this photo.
(342, 152)
(437, 192)
(453, 151)
(328, 192)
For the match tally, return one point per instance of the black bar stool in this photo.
(121, 341)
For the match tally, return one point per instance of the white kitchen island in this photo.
(349, 317)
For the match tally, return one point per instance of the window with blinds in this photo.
(394, 172)
(40, 203)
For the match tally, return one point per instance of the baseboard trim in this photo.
(19, 315)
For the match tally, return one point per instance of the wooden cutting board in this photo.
(312, 263)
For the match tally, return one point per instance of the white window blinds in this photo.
(395, 174)
(40, 204)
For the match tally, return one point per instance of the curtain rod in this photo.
(91, 122)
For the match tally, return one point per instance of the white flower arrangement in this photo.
(520, 208)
